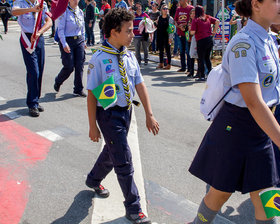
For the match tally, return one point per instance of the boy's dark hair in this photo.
(114, 19)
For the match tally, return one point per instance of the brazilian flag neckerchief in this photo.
(106, 48)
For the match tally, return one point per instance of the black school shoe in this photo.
(138, 218)
(100, 190)
(34, 112)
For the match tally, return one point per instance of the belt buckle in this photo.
(75, 37)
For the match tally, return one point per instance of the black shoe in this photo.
(145, 63)
(100, 191)
(81, 94)
(56, 87)
(200, 80)
(34, 112)
(138, 218)
(181, 70)
(40, 108)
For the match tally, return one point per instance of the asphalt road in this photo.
(57, 193)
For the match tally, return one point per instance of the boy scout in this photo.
(114, 59)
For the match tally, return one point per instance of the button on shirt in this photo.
(71, 24)
(103, 65)
(27, 20)
(252, 57)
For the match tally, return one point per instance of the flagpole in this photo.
(38, 21)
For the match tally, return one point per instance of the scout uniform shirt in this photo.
(103, 65)
(71, 24)
(27, 20)
(252, 56)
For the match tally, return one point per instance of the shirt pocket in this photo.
(267, 72)
(267, 67)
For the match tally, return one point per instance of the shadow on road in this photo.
(16, 103)
(245, 210)
(78, 210)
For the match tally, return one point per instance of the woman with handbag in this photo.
(164, 39)
(236, 153)
(5, 11)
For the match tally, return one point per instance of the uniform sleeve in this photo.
(61, 28)
(93, 73)
(242, 61)
(45, 10)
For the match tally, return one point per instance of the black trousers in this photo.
(5, 19)
(162, 43)
(114, 124)
(73, 60)
(90, 34)
(204, 48)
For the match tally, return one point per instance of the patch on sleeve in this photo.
(240, 47)
(90, 67)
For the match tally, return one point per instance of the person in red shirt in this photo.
(181, 19)
(202, 29)
(105, 5)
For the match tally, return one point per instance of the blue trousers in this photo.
(114, 124)
(34, 64)
(184, 49)
(176, 43)
(73, 60)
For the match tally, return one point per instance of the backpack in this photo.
(213, 96)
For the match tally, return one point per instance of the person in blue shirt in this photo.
(121, 4)
(236, 153)
(71, 35)
(113, 59)
(26, 11)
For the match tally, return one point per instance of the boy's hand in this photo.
(94, 134)
(152, 124)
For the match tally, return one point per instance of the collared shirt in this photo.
(252, 57)
(103, 65)
(121, 4)
(70, 24)
(27, 20)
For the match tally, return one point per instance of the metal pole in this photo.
(223, 26)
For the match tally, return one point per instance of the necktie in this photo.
(122, 71)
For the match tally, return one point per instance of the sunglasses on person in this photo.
(165, 8)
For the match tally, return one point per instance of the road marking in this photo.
(20, 151)
(11, 114)
(112, 208)
(2, 99)
(50, 135)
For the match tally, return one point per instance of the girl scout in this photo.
(236, 153)
(34, 62)
(71, 35)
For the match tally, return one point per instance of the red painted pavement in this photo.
(20, 150)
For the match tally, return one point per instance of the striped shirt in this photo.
(136, 22)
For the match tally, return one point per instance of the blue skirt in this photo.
(235, 154)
